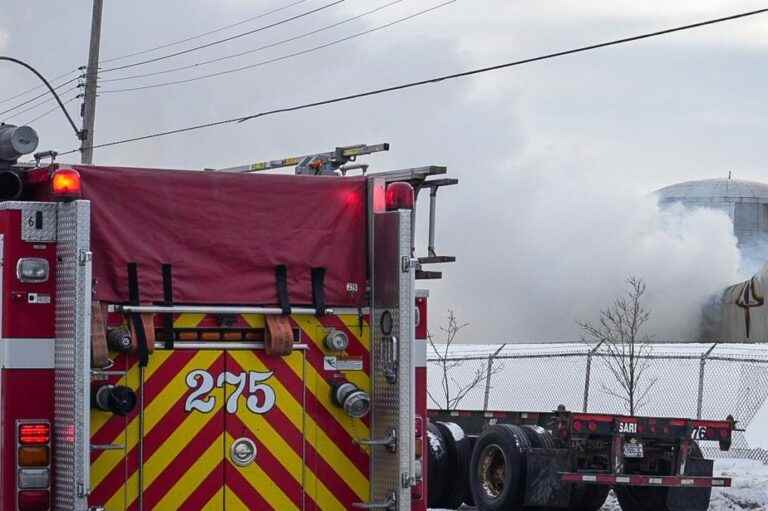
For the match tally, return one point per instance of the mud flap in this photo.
(543, 486)
(692, 499)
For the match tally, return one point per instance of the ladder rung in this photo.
(428, 275)
(437, 259)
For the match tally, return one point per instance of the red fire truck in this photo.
(234, 339)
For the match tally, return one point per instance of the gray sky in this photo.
(553, 157)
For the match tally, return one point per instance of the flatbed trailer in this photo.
(571, 460)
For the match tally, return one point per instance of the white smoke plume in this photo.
(561, 249)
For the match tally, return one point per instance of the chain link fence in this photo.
(691, 380)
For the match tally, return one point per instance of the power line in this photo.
(226, 39)
(37, 87)
(47, 85)
(39, 104)
(436, 79)
(282, 57)
(199, 36)
(30, 100)
(254, 50)
(49, 112)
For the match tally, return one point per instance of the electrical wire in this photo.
(38, 87)
(254, 50)
(49, 112)
(226, 39)
(428, 81)
(39, 104)
(23, 64)
(282, 57)
(30, 100)
(199, 36)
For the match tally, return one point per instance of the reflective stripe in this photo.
(26, 353)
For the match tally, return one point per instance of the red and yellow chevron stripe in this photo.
(198, 402)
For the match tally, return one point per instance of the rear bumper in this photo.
(643, 480)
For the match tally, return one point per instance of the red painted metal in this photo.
(22, 319)
(35, 402)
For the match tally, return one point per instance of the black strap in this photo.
(318, 290)
(281, 279)
(168, 302)
(138, 326)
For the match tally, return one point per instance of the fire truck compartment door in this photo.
(264, 433)
(393, 410)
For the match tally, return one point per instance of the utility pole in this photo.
(91, 79)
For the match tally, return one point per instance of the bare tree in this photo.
(620, 333)
(451, 391)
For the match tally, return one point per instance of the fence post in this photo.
(488, 377)
(588, 375)
(702, 366)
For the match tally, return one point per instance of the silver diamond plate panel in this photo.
(393, 333)
(38, 220)
(72, 357)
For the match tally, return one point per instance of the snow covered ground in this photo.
(748, 493)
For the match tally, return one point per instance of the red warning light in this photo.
(399, 196)
(65, 184)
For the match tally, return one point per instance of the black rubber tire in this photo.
(456, 473)
(437, 467)
(501, 451)
(469, 500)
(638, 498)
(539, 437)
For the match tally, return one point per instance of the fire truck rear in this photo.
(222, 340)
(211, 339)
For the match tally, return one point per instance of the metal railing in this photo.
(708, 381)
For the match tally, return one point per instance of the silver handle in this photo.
(389, 441)
(387, 504)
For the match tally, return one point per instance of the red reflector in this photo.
(592, 426)
(34, 434)
(577, 426)
(399, 196)
(65, 184)
(37, 500)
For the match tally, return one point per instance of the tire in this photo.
(469, 500)
(456, 467)
(539, 437)
(639, 498)
(437, 465)
(497, 471)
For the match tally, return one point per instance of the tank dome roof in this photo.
(715, 189)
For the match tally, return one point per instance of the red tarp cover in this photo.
(224, 234)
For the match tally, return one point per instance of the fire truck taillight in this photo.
(399, 196)
(65, 184)
(36, 500)
(34, 434)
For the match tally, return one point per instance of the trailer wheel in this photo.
(471, 442)
(456, 474)
(640, 498)
(497, 471)
(539, 437)
(438, 465)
